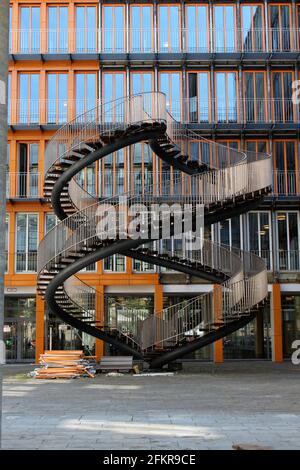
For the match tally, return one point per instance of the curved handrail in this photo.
(229, 174)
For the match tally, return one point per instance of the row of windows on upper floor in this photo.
(210, 97)
(273, 236)
(136, 168)
(220, 30)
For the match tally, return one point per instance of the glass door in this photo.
(10, 339)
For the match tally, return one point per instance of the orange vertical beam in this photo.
(71, 27)
(276, 322)
(15, 26)
(99, 346)
(14, 109)
(71, 94)
(43, 23)
(158, 298)
(40, 328)
(43, 97)
(11, 242)
(217, 302)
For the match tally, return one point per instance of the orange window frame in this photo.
(58, 7)
(197, 5)
(142, 167)
(168, 5)
(29, 73)
(286, 184)
(113, 6)
(86, 28)
(254, 73)
(252, 6)
(279, 5)
(100, 171)
(171, 72)
(282, 94)
(57, 91)
(257, 142)
(197, 72)
(226, 72)
(224, 5)
(144, 72)
(30, 7)
(141, 7)
(85, 72)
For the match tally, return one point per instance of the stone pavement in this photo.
(203, 407)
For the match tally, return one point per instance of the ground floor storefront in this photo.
(29, 328)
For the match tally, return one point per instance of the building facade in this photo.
(228, 70)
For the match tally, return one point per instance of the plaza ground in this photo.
(205, 406)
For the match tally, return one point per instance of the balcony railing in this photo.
(26, 261)
(23, 185)
(188, 110)
(110, 181)
(155, 40)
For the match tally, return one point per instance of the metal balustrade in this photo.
(229, 174)
(24, 185)
(26, 261)
(187, 110)
(154, 40)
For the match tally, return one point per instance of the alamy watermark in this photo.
(296, 92)
(151, 221)
(296, 354)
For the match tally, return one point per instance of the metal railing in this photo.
(137, 40)
(187, 110)
(232, 173)
(24, 185)
(26, 261)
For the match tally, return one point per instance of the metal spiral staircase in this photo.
(225, 181)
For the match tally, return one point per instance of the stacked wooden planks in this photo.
(64, 365)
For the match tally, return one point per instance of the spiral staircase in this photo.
(223, 181)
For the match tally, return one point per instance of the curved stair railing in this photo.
(225, 181)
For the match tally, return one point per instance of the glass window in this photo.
(169, 28)
(286, 168)
(280, 28)
(260, 235)
(26, 242)
(252, 28)
(115, 263)
(86, 92)
(288, 240)
(141, 28)
(225, 29)
(10, 30)
(197, 28)
(226, 96)
(114, 89)
(170, 85)
(57, 87)
(290, 306)
(50, 222)
(29, 98)
(29, 30)
(283, 108)
(112, 174)
(113, 29)
(199, 110)
(28, 177)
(86, 29)
(255, 103)
(230, 232)
(57, 29)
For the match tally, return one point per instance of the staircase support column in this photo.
(218, 356)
